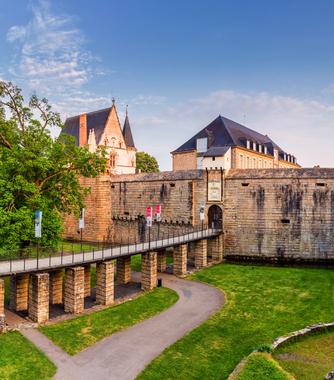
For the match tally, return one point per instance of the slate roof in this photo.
(95, 119)
(223, 132)
(127, 133)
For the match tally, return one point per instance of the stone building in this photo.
(103, 128)
(225, 144)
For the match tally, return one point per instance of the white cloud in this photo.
(302, 127)
(50, 54)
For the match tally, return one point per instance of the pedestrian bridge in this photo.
(38, 282)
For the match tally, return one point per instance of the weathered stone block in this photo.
(87, 280)
(215, 247)
(123, 270)
(19, 288)
(56, 287)
(180, 260)
(38, 308)
(200, 248)
(162, 261)
(149, 270)
(105, 283)
(74, 290)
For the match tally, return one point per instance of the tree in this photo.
(37, 171)
(146, 163)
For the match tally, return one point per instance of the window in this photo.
(213, 158)
(112, 160)
(241, 161)
(265, 150)
(248, 165)
(254, 145)
(260, 163)
(265, 163)
(254, 163)
(260, 148)
(248, 144)
(202, 145)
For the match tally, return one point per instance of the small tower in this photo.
(127, 132)
(92, 141)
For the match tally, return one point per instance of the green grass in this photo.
(262, 304)
(76, 334)
(311, 357)
(262, 367)
(20, 359)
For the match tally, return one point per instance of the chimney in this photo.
(83, 130)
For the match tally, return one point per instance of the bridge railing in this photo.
(41, 258)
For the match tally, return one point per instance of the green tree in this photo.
(37, 171)
(146, 163)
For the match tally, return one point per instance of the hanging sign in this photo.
(82, 219)
(158, 212)
(202, 212)
(149, 216)
(38, 224)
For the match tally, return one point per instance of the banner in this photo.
(38, 224)
(158, 212)
(82, 219)
(149, 216)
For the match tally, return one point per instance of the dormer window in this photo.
(247, 144)
(260, 148)
(265, 150)
(254, 145)
(202, 145)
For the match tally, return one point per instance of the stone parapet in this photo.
(56, 287)
(123, 271)
(201, 253)
(19, 288)
(149, 270)
(105, 283)
(74, 290)
(180, 260)
(38, 308)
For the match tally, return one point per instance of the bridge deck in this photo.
(17, 266)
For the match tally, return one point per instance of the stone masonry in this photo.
(2, 305)
(200, 248)
(123, 271)
(56, 287)
(19, 288)
(38, 308)
(105, 283)
(180, 260)
(162, 261)
(149, 270)
(87, 280)
(215, 247)
(74, 290)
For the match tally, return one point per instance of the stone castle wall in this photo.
(279, 214)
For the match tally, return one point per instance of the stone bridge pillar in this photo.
(2, 305)
(19, 288)
(123, 270)
(149, 270)
(215, 246)
(180, 260)
(87, 280)
(38, 308)
(200, 248)
(105, 283)
(56, 287)
(162, 260)
(74, 290)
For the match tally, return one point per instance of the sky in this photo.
(178, 64)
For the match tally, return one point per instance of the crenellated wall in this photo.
(280, 215)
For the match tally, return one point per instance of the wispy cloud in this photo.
(50, 53)
(302, 127)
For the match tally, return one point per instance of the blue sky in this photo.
(178, 64)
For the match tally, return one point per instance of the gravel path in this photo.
(125, 354)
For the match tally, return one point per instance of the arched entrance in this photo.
(215, 217)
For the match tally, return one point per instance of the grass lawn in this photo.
(20, 359)
(311, 357)
(262, 367)
(76, 334)
(262, 304)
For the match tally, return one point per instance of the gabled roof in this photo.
(127, 133)
(95, 119)
(223, 132)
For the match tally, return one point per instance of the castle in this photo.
(103, 127)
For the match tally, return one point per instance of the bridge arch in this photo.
(215, 217)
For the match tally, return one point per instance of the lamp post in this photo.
(81, 224)
(38, 230)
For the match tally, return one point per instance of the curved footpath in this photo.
(125, 354)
